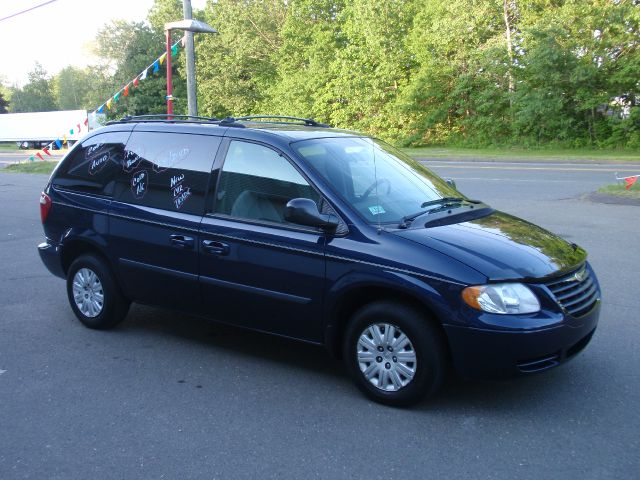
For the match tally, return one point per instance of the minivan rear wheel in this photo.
(394, 353)
(93, 293)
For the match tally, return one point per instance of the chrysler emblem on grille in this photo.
(580, 276)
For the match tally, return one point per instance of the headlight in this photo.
(501, 298)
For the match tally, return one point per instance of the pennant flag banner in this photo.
(628, 181)
(125, 91)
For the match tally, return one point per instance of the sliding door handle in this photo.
(215, 248)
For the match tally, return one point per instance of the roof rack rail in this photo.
(306, 121)
(163, 116)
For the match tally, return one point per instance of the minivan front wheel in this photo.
(93, 294)
(394, 353)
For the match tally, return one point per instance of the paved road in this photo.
(169, 396)
(9, 157)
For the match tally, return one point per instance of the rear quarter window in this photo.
(93, 165)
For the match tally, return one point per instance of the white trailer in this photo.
(36, 129)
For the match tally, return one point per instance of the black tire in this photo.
(114, 305)
(427, 344)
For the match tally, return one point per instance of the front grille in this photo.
(576, 292)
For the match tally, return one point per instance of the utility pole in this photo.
(192, 100)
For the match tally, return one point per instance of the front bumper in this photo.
(52, 259)
(503, 353)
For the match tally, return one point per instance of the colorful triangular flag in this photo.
(46, 150)
(31, 158)
(116, 97)
(64, 139)
(156, 66)
(39, 156)
(86, 122)
(58, 143)
(629, 181)
(125, 92)
(79, 128)
(144, 74)
(109, 104)
(71, 131)
(174, 50)
(101, 108)
(161, 59)
(136, 82)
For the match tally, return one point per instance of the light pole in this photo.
(194, 26)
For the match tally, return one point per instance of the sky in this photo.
(58, 34)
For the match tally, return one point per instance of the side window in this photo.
(92, 166)
(169, 171)
(256, 183)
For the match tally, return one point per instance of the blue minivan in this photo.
(288, 226)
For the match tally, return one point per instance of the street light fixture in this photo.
(191, 25)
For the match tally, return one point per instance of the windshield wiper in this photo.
(441, 202)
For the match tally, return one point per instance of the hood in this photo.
(501, 247)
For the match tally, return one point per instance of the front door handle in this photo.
(181, 241)
(215, 248)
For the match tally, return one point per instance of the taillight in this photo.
(45, 206)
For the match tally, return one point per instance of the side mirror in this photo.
(304, 211)
(451, 182)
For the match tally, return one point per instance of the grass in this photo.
(31, 167)
(8, 146)
(517, 153)
(619, 190)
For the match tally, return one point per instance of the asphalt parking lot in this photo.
(170, 396)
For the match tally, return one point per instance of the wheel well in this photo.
(75, 248)
(357, 299)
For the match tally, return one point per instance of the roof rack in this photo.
(163, 116)
(224, 122)
(305, 121)
(172, 118)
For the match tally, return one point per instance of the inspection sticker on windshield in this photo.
(377, 210)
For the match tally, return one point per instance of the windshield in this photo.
(380, 182)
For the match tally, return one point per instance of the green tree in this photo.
(3, 104)
(36, 95)
(237, 67)
(311, 36)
